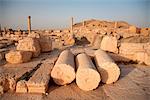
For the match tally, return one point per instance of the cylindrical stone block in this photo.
(87, 77)
(109, 71)
(64, 70)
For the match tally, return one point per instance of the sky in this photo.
(47, 14)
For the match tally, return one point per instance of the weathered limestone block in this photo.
(109, 71)
(129, 48)
(136, 52)
(109, 43)
(64, 70)
(16, 57)
(45, 44)
(97, 41)
(38, 83)
(21, 87)
(30, 44)
(87, 77)
(132, 29)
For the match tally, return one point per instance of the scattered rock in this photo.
(107, 68)
(30, 44)
(21, 87)
(109, 43)
(64, 70)
(45, 44)
(16, 57)
(87, 77)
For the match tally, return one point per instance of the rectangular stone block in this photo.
(21, 87)
(16, 57)
(109, 43)
(38, 83)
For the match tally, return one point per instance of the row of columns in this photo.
(29, 24)
(71, 28)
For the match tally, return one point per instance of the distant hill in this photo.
(100, 23)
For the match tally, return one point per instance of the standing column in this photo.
(29, 24)
(0, 30)
(5, 30)
(71, 24)
(115, 25)
(83, 23)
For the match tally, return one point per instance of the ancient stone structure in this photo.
(116, 24)
(5, 30)
(72, 24)
(0, 30)
(108, 70)
(38, 83)
(64, 70)
(87, 77)
(135, 51)
(16, 57)
(29, 24)
(29, 44)
(109, 43)
(21, 87)
(96, 42)
(45, 44)
(83, 23)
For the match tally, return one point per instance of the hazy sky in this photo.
(57, 13)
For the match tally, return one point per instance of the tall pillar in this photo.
(29, 24)
(5, 30)
(115, 25)
(71, 24)
(83, 23)
(0, 30)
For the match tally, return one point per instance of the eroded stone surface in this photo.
(38, 83)
(30, 44)
(16, 57)
(109, 43)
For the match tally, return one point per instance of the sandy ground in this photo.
(133, 84)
